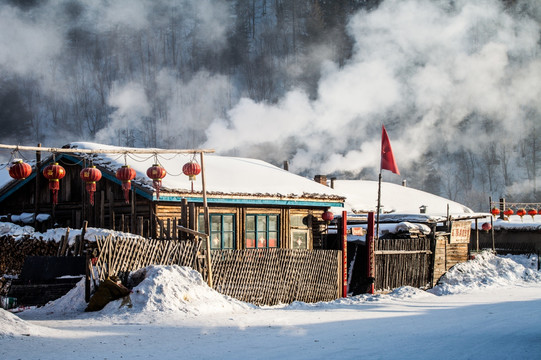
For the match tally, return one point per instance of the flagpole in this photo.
(379, 205)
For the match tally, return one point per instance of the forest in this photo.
(456, 84)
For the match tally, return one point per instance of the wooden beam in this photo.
(107, 151)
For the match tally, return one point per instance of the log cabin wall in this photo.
(290, 220)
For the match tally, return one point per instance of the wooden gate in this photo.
(403, 262)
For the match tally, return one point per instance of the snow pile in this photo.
(165, 290)
(173, 290)
(487, 270)
(20, 232)
(11, 325)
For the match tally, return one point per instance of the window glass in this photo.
(298, 221)
(229, 241)
(299, 239)
(228, 223)
(215, 223)
(250, 223)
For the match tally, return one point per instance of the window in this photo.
(261, 231)
(222, 230)
(300, 231)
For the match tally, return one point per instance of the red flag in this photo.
(387, 157)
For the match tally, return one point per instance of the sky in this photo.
(487, 308)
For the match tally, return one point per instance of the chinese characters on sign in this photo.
(460, 232)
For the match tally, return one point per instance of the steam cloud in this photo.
(440, 75)
(420, 67)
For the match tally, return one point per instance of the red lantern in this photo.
(486, 226)
(521, 213)
(90, 176)
(126, 174)
(20, 170)
(508, 213)
(327, 216)
(539, 212)
(532, 212)
(54, 173)
(156, 173)
(495, 212)
(191, 169)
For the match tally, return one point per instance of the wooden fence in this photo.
(120, 255)
(403, 262)
(258, 276)
(274, 276)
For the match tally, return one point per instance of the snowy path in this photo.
(500, 323)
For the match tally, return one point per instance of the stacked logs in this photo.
(14, 251)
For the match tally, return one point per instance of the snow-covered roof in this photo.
(224, 176)
(362, 196)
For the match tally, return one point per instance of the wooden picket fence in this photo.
(120, 255)
(258, 276)
(403, 262)
(277, 276)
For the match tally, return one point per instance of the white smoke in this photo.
(131, 109)
(419, 67)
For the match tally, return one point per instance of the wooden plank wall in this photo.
(446, 256)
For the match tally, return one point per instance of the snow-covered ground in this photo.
(487, 308)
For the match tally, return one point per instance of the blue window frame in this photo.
(222, 230)
(262, 231)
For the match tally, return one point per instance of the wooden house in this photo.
(251, 203)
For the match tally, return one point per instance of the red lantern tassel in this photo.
(91, 188)
(54, 185)
(126, 186)
(157, 183)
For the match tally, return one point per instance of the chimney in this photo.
(322, 179)
(332, 182)
(286, 165)
(404, 183)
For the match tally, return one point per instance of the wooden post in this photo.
(174, 230)
(502, 208)
(133, 210)
(191, 221)
(207, 225)
(122, 224)
(65, 243)
(111, 199)
(140, 225)
(344, 254)
(36, 187)
(88, 270)
(371, 254)
(83, 233)
(477, 234)
(102, 209)
(184, 217)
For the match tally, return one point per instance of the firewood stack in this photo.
(13, 252)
